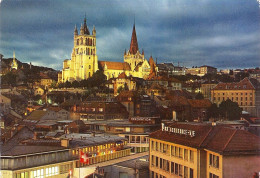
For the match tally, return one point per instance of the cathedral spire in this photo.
(14, 63)
(85, 27)
(75, 31)
(134, 43)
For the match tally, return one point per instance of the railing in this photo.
(103, 158)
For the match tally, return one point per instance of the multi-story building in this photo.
(45, 80)
(136, 130)
(166, 82)
(192, 150)
(169, 69)
(207, 70)
(206, 88)
(245, 93)
(193, 71)
(40, 158)
(101, 110)
(202, 70)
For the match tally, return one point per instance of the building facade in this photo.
(84, 61)
(60, 158)
(192, 150)
(206, 88)
(245, 93)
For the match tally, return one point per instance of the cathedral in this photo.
(84, 60)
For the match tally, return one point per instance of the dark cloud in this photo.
(223, 33)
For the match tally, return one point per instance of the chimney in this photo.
(35, 135)
(93, 134)
(65, 143)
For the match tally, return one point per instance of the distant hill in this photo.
(7, 62)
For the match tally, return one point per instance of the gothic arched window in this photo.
(89, 66)
(81, 41)
(77, 41)
(90, 42)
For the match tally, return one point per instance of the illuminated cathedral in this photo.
(84, 60)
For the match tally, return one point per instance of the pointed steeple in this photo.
(94, 31)
(85, 27)
(81, 30)
(134, 43)
(14, 63)
(75, 31)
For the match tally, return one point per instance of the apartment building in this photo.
(193, 150)
(60, 157)
(245, 93)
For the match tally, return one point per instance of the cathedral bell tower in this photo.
(84, 61)
(133, 56)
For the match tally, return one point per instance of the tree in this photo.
(97, 79)
(120, 89)
(37, 97)
(9, 78)
(213, 111)
(61, 85)
(75, 84)
(199, 96)
(240, 76)
(225, 78)
(67, 84)
(54, 84)
(230, 110)
(84, 83)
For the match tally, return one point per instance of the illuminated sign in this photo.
(180, 131)
(84, 158)
(146, 119)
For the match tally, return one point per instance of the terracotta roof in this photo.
(163, 78)
(231, 141)
(122, 75)
(156, 86)
(126, 95)
(115, 65)
(203, 103)
(244, 84)
(151, 61)
(36, 115)
(201, 132)
(56, 109)
(24, 149)
(221, 139)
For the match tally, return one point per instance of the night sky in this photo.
(220, 33)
